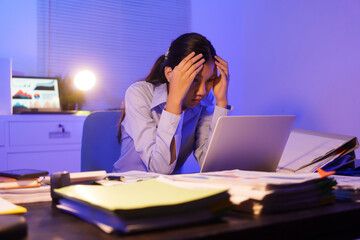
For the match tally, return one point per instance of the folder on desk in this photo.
(142, 205)
(7, 207)
(307, 150)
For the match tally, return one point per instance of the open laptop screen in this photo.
(35, 94)
(253, 143)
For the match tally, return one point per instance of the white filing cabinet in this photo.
(46, 142)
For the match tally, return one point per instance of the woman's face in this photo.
(201, 86)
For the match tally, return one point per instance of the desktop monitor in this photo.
(35, 94)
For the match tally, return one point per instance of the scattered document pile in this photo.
(142, 205)
(27, 195)
(305, 151)
(127, 177)
(347, 188)
(24, 190)
(41, 193)
(264, 192)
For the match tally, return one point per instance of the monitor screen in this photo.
(35, 93)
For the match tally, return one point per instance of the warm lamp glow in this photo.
(85, 80)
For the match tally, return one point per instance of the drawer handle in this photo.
(60, 133)
(61, 128)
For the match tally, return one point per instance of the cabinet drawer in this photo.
(45, 133)
(3, 163)
(2, 133)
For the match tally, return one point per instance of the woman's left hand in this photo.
(221, 83)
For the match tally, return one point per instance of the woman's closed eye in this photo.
(196, 80)
(211, 79)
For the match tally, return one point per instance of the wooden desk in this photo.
(338, 221)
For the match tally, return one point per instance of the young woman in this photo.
(173, 112)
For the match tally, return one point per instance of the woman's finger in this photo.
(187, 58)
(222, 73)
(195, 66)
(194, 73)
(222, 68)
(191, 62)
(222, 61)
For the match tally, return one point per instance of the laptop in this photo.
(253, 143)
(36, 95)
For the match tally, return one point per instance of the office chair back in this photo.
(100, 148)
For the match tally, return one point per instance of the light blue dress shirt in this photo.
(148, 129)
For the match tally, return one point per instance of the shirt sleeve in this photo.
(206, 125)
(151, 138)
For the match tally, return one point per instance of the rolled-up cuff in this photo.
(218, 112)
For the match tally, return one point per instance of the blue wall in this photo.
(289, 57)
(18, 35)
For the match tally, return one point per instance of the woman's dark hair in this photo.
(178, 50)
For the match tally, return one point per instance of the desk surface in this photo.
(337, 221)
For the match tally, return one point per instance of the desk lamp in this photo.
(84, 81)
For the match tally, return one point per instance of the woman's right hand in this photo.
(180, 79)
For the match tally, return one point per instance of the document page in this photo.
(304, 146)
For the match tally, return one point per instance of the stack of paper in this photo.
(142, 205)
(264, 192)
(23, 190)
(9, 183)
(27, 195)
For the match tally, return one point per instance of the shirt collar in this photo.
(160, 95)
(207, 100)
